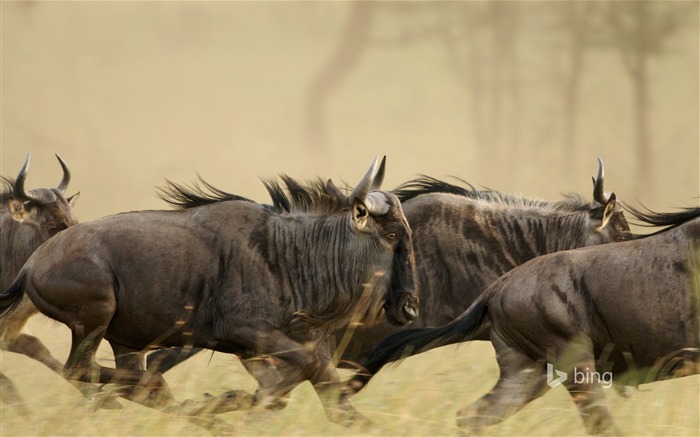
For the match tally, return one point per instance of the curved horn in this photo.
(21, 192)
(379, 177)
(598, 192)
(66, 176)
(19, 183)
(363, 187)
(376, 203)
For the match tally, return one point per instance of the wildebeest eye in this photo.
(56, 228)
(391, 235)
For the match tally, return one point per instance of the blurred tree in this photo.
(352, 43)
(459, 32)
(503, 22)
(481, 42)
(575, 19)
(639, 30)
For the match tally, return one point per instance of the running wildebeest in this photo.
(465, 239)
(230, 275)
(630, 306)
(27, 219)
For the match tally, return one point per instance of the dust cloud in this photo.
(516, 96)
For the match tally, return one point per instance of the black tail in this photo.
(418, 340)
(11, 297)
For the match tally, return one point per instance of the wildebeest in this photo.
(572, 316)
(465, 239)
(27, 219)
(227, 274)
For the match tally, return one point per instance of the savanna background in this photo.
(516, 96)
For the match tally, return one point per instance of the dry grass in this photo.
(419, 396)
(131, 93)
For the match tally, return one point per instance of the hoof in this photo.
(233, 400)
(360, 424)
(276, 404)
(212, 424)
(349, 418)
(151, 397)
(270, 403)
(466, 421)
(102, 400)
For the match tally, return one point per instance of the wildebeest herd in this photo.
(293, 286)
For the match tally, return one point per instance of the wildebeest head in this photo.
(607, 216)
(47, 210)
(379, 215)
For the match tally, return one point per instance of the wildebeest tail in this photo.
(11, 297)
(414, 341)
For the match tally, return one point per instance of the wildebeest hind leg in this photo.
(521, 381)
(146, 388)
(33, 348)
(13, 340)
(588, 395)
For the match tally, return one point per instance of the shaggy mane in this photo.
(660, 219)
(313, 196)
(316, 196)
(194, 195)
(426, 185)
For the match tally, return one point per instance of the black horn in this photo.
(598, 191)
(379, 177)
(63, 186)
(367, 183)
(19, 183)
(22, 193)
(376, 202)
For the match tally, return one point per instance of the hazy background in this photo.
(516, 96)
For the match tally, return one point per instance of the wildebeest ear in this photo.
(17, 209)
(360, 214)
(331, 187)
(72, 200)
(608, 210)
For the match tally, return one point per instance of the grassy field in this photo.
(419, 396)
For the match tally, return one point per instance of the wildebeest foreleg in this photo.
(163, 360)
(304, 364)
(269, 371)
(338, 408)
(10, 396)
(128, 358)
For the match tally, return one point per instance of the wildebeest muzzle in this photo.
(401, 303)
